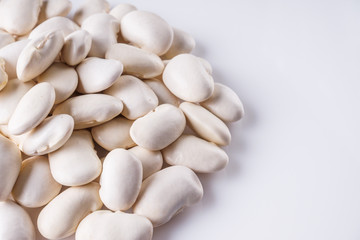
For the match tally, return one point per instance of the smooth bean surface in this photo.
(159, 200)
(75, 163)
(32, 108)
(120, 180)
(195, 153)
(107, 225)
(35, 186)
(63, 214)
(15, 223)
(159, 128)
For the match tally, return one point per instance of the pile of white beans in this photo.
(123, 78)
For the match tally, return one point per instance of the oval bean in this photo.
(38, 55)
(186, 77)
(113, 134)
(49, 136)
(225, 104)
(136, 61)
(120, 180)
(147, 31)
(137, 97)
(32, 108)
(159, 128)
(76, 47)
(159, 200)
(35, 186)
(15, 222)
(196, 154)
(63, 214)
(206, 124)
(19, 16)
(63, 78)
(97, 74)
(107, 225)
(103, 29)
(10, 97)
(90, 110)
(76, 162)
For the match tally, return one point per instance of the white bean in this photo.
(76, 162)
(225, 104)
(91, 109)
(76, 47)
(195, 153)
(159, 128)
(10, 162)
(32, 109)
(166, 193)
(89, 8)
(107, 225)
(19, 16)
(137, 62)
(113, 134)
(147, 31)
(206, 124)
(63, 78)
(62, 24)
(182, 43)
(137, 97)
(186, 77)
(54, 8)
(15, 223)
(120, 180)
(35, 186)
(120, 10)
(63, 214)
(10, 53)
(103, 29)
(49, 136)
(10, 97)
(163, 94)
(151, 161)
(38, 55)
(97, 74)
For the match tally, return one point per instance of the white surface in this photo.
(295, 157)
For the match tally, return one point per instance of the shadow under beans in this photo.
(239, 146)
(237, 150)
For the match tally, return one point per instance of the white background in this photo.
(294, 172)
